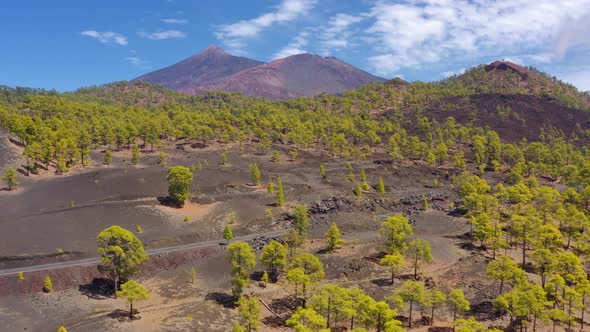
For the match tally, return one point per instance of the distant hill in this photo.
(293, 76)
(509, 78)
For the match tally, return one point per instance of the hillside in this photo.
(508, 78)
(506, 98)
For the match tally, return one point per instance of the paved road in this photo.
(158, 251)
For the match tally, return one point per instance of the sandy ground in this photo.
(50, 212)
(173, 296)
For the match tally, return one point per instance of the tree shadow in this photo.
(15, 142)
(226, 300)
(286, 306)
(456, 213)
(123, 315)
(469, 246)
(199, 145)
(465, 236)
(257, 275)
(382, 282)
(375, 257)
(166, 201)
(440, 329)
(322, 251)
(274, 321)
(408, 276)
(484, 311)
(98, 289)
(529, 267)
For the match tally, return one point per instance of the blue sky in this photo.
(70, 44)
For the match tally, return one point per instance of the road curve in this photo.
(151, 252)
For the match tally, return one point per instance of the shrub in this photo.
(47, 285)
(275, 157)
(358, 191)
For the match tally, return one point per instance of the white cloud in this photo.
(137, 61)
(580, 77)
(174, 21)
(288, 51)
(453, 72)
(336, 34)
(574, 34)
(296, 46)
(106, 37)
(234, 34)
(414, 33)
(168, 34)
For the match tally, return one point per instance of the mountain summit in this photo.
(297, 75)
(210, 65)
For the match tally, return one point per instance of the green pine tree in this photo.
(227, 233)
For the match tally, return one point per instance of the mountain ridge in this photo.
(293, 76)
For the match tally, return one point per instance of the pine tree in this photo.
(249, 309)
(419, 252)
(323, 171)
(193, 275)
(394, 262)
(275, 156)
(255, 174)
(411, 292)
(280, 197)
(358, 190)
(133, 292)
(47, 285)
(237, 328)
(227, 233)
(274, 257)
(108, 157)
(459, 303)
(333, 238)
(162, 159)
(301, 220)
(380, 186)
(242, 260)
(10, 178)
(363, 176)
(395, 231)
(135, 155)
(433, 299)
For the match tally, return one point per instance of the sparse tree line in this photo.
(325, 306)
(59, 131)
(548, 230)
